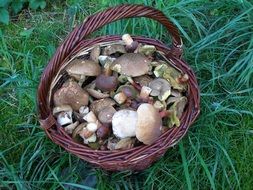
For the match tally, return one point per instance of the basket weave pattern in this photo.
(137, 158)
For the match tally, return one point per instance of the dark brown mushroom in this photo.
(106, 83)
(103, 131)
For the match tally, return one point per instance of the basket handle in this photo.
(91, 24)
(96, 21)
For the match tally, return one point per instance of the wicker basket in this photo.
(76, 44)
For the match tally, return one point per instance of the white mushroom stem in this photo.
(145, 91)
(120, 98)
(127, 39)
(92, 127)
(65, 118)
(130, 79)
(84, 110)
(124, 123)
(70, 128)
(90, 117)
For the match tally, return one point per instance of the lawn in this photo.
(217, 151)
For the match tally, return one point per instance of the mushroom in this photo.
(96, 94)
(160, 69)
(103, 131)
(106, 114)
(112, 143)
(128, 90)
(148, 127)
(172, 100)
(122, 79)
(159, 105)
(65, 118)
(84, 132)
(90, 117)
(92, 127)
(70, 128)
(176, 93)
(174, 77)
(94, 54)
(90, 139)
(176, 111)
(106, 83)
(71, 94)
(145, 91)
(147, 50)
(131, 64)
(124, 123)
(76, 132)
(113, 49)
(83, 110)
(98, 105)
(104, 59)
(161, 88)
(120, 97)
(131, 45)
(61, 108)
(143, 80)
(79, 69)
(125, 144)
(64, 114)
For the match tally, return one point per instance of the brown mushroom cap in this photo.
(148, 124)
(115, 48)
(106, 83)
(71, 94)
(131, 64)
(97, 105)
(105, 115)
(83, 67)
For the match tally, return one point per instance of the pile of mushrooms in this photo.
(122, 96)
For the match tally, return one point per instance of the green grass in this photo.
(217, 151)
